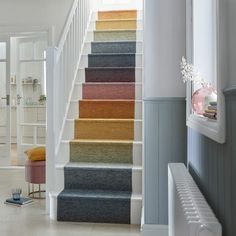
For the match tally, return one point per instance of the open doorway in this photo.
(23, 96)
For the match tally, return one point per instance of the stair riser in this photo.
(134, 61)
(113, 25)
(101, 152)
(111, 47)
(109, 36)
(139, 26)
(98, 178)
(76, 153)
(109, 130)
(108, 91)
(74, 112)
(135, 209)
(111, 60)
(97, 210)
(110, 75)
(69, 131)
(117, 15)
(107, 109)
(117, 47)
(136, 179)
(114, 36)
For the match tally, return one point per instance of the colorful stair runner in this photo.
(98, 179)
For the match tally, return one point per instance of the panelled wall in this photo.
(164, 105)
(213, 167)
(165, 142)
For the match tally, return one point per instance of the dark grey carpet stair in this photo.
(111, 60)
(116, 74)
(97, 177)
(94, 206)
(114, 47)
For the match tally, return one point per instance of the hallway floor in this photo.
(32, 220)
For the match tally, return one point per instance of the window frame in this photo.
(214, 130)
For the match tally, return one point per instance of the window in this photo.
(205, 101)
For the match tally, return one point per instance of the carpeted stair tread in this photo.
(121, 129)
(114, 35)
(102, 177)
(119, 14)
(94, 206)
(112, 74)
(121, 109)
(109, 91)
(112, 60)
(101, 151)
(116, 24)
(114, 47)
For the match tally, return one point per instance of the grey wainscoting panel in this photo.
(164, 142)
(213, 167)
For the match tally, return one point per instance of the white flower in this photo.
(190, 73)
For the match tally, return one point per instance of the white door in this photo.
(5, 114)
(31, 81)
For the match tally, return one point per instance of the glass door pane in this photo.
(5, 138)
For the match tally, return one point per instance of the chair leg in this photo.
(33, 189)
(39, 191)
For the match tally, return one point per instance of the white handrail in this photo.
(62, 66)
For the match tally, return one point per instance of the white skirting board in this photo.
(153, 229)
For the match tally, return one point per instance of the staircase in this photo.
(102, 181)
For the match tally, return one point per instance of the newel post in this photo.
(50, 121)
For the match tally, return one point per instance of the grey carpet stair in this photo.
(115, 74)
(94, 206)
(98, 177)
(111, 60)
(114, 47)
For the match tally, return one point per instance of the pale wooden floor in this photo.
(32, 219)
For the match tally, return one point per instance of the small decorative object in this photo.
(22, 201)
(16, 193)
(29, 101)
(42, 99)
(202, 97)
(28, 80)
(189, 73)
(34, 84)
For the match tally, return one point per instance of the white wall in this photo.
(34, 13)
(164, 45)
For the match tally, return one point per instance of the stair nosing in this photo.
(113, 83)
(114, 54)
(110, 68)
(99, 166)
(102, 141)
(116, 30)
(104, 42)
(115, 20)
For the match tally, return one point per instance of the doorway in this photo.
(23, 96)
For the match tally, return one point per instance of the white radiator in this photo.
(189, 213)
